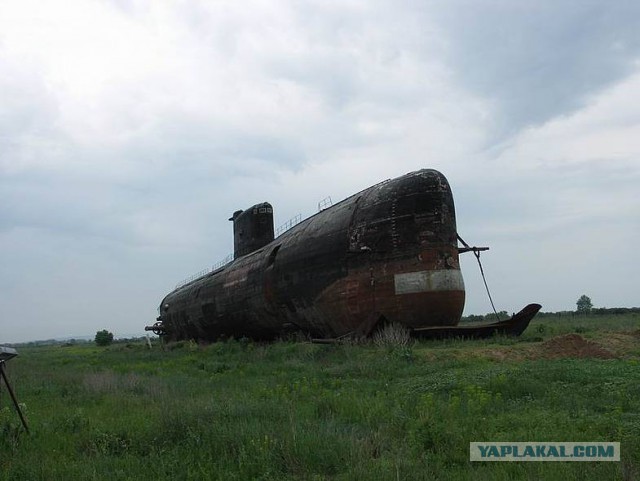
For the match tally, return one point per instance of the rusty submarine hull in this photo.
(386, 254)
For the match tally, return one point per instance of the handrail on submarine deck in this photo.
(218, 265)
(288, 225)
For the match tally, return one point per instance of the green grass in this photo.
(242, 410)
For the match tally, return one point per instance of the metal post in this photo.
(13, 397)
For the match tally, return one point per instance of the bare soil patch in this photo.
(567, 346)
(574, 346)
(609, 345)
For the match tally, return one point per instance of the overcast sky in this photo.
(131, 130)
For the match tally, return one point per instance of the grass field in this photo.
(292, 410)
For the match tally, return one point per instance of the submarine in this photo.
(387, 254)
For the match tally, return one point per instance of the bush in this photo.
(104, 338)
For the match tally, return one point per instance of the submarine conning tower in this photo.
(252, 229)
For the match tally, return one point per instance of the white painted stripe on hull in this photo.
(429, 281)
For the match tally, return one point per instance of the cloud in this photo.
(558, 203)
(538, 60)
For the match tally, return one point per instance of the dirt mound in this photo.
(574, 346)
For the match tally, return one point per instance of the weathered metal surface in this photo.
(252, 228)
(386, 253)
(513, 326)
(509, 327)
